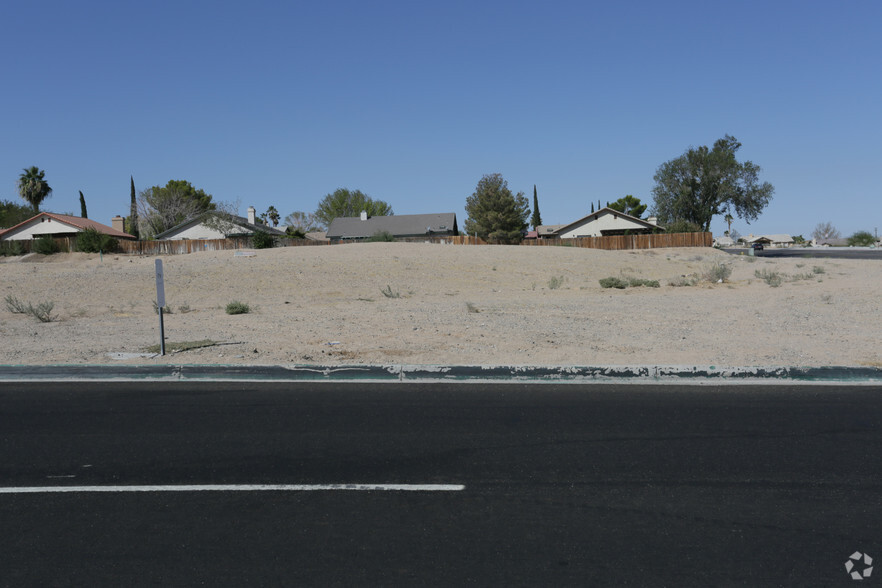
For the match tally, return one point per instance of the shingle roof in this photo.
(397, 225)
(76, 222)
(239, 221)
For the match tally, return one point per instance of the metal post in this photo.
(161, 334)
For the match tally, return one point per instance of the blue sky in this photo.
(280, 103)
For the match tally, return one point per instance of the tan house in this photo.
(61, 225)
(602, 223)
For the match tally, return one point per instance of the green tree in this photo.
(728, 218)
(349, 203)
(32, 187)
(12, 213)
(301, 222)
(629, 205)
(702, 183)
(537, 218)
(861, 239)
(495, 214)
(132, 224)
(163, 207)
(83, 213)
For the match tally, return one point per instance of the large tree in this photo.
(825, 232)
(348, 203)
(32, 187)
(303, 222)
(703, 183)
(163, 207)
(12, 213)
(629, 205)
(495, 214)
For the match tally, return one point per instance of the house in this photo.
(602, 223)
(770, 240)
(61, 225)
(233, 226)
(399, 226)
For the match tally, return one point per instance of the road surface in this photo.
(564, 485)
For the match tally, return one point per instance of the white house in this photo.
(60, 225)
(780, 240)
(234, 226)
(604, 222)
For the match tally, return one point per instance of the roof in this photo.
(239, 221)
(77, 222)
(781, 238)
(400, 224)
(605, 210)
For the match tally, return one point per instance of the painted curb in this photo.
(429, 373)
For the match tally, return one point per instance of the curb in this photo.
(430, 373)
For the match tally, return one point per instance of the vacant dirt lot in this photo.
(445, 304)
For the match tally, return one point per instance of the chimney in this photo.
(252, 215)
(363, 215)
(653, 220)
(118, 223)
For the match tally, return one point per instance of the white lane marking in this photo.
(239, 488)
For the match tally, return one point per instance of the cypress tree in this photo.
(133, 212)
(83, 206)
(537, 218)
(592, 208)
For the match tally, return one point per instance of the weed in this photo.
(388, 292)
(183, 346)
(15, 305)
(165, 309)
(42, 312)
(236, 307)
(818, 269)
(472, 308)
(555, 282)
(184, 308)
(682, 281)
(773, 279)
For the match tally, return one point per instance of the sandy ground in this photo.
(456, 305)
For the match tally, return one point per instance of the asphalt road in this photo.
(563, 485)
(813, 252)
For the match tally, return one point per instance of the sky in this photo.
(280, 103)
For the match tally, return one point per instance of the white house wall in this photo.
(594, 228)
(196, 232)
(34, 230)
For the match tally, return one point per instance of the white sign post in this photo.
(160, 302)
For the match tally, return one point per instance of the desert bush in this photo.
(613, 282)
(472, 308)
(717, 272)
(262, 240)
(91, 241)
(683, 281)
(555, 282)
(773, 279)
(683, 226)
(11, 248)
(382, 237)
(236, 307)
(42, 312)
(46, 245)
(640, 282)
(818, 270)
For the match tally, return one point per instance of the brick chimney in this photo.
(118, 223)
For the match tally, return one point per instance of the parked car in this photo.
(757, 246)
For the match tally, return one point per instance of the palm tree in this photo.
(273, 215)
(32, 187)
(729, 218)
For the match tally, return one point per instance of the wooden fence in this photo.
(619, 242)
(179, 247)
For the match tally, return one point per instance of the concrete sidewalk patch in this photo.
(427, 373)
